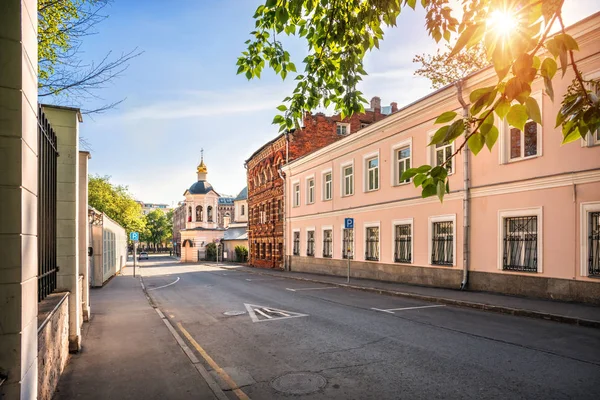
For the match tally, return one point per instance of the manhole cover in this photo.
(234, 312)
(299, 383)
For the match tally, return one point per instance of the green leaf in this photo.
(279, 119)
(572, 136)
(429, 190)
(517, 116)
(439, 135)
(491, 137)
(409, 173)
(548, 68)
(441, 190)
(418, 180)
(411, 3)
(478, 93)
(533, 110)
(445, 117)
(282, 108)
(476, 142)
(423, 168)
(456, 129)
(549, 88)
(463, 39)
(568, 41)
(502, 108)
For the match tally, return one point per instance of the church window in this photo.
(209, 214)
(199, 213)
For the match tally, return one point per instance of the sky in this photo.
(182, 94)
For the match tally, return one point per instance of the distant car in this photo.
(143, 256)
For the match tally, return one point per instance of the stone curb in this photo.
(443, 300)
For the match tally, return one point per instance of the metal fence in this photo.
(442, 246)
(520, 244)
(47, 165)
(594, 245)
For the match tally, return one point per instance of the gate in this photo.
(47, 166)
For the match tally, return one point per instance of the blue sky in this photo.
(183, 94)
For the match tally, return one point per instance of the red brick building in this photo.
(266, 184)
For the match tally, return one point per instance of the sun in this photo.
(502, 22)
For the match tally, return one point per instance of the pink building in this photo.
(534, 204)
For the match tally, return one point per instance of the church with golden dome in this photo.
(197, 221)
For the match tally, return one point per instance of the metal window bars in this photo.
(310, 244)
(348, 244)
(372, 244)
(442, 243)
(327, 242)
(402, 248)
(296, 249)
(594, 245)
(520, 244)
(47, 167)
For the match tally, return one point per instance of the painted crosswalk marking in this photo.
(262, 313)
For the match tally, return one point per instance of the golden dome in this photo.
(202, 168)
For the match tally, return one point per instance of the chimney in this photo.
(376, 104)
(394, 106)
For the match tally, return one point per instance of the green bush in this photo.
(241, 253)
(211, 252)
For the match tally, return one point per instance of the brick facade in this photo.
(266, 186)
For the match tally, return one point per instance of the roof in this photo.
(201, 187)
(242, 195)
(75, 109)
(236, 234)
(265, 145)
(225, 200)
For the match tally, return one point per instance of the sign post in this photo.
(134, 237)
(349, 224)
(217, 240)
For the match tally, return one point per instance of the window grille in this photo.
(402, 249)
(296, 243)
(348, 244)
(372, 244)
(594, 244)
(327, 242)
(520, 244)
(443, 152)
(442, 246)
(310, 243)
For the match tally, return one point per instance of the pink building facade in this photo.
(532, 205)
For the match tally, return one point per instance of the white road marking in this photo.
(315, 288)
(253, 309)
(275, 312)
(164, 286)
(391, 310)
(258, 280)
(258, 310)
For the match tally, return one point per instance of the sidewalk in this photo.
(128, 352)
(572, 313)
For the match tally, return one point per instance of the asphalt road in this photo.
(355, 345)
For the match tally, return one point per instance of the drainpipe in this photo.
(466, 195)
(285, 264)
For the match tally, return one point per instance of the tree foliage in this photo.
(442, 70)
(339, 34)
(158, 228)
(116, 202)
(62, 27)
(241, 253)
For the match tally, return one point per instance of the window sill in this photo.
(347, 195)
(327, 256)
(325, 199)
(442, 265)
(371, 191)
(403, 262)
(516, 160)
(402, 183)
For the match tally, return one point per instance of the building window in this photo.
(520, 244)
(363, 125)
(593, 244)
(199, 213)
(327, 182)
(342, 129)
(310, 243)
(310, 191)
(348, 243)
(348, 183)
(524, 144)
(280, 209)
(296, 195)
(403, 243)
(327, 243)
(402, 163)
(442, 243)
(443, 152)
(296, 249)
(209, 214)
(242, 210)
(190, 214)
(372, 167)
(372, 243)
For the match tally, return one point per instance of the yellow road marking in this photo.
(224, 375)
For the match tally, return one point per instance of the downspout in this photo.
(285, 267)
(466, 195)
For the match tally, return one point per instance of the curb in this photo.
(444, 300)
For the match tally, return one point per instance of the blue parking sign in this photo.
(134, 236)
(349, 223)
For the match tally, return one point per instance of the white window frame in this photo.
(343, 166)
(342, 227)
(340, 125)
(323, 229)
(504, 139)
(432, 156)
(299, 242)
(311, 229)
(310, 193)
(395, 170)
(366, 225)
(586, 209)
(404, 221)
(592, 139)
(430, 222)
(521, 212)
(324, 186)
(296, 193)
(366, 159)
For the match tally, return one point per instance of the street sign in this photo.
(349, 223)
(134, 236)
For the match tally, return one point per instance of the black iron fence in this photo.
(47, 166)
(520, 244)
(442, 246)
(594, 245)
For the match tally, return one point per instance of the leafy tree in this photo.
(338, 35)
(211, 252)
(62, 26)
(241, 253)
(157, 228)
(442, 70)
(116, 202)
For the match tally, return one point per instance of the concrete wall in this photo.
(109, 241)
(230, 248)
(53, 344)
(84, 233)
(18, 198)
